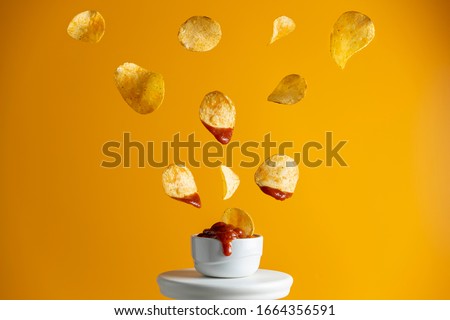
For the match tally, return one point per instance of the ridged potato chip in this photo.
(290, 90)
(277, 176)
(218, 115)
(352, 32)
(87, 26)
(179, 184)
(230, 181)
(141, 89)
(282, 26)
(240, 219)
(199, 33)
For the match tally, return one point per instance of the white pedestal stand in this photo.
(188, 284)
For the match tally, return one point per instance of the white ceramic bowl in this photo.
(210, 261)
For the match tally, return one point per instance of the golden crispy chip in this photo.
(141, 89)
(282, 26)
(239, 218)
(230, 181)
(277, 176)
(178, 183)
(352, 32)
(218, 115)
(200, 33)
(88, 26)
(290, 90)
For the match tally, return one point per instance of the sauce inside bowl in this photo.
(225, 233)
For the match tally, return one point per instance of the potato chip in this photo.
(352, 32)
(277, 176)
(230, 181)
(218, 115)
(240, 219)
(200, 34)
(87, 26)
(178, 183)
(282, 26)
(290, 90)
(141, 89)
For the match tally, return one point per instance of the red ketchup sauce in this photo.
(223, 135)
(277, 194)
(193, 199)
(225, 233)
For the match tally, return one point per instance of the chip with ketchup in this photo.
(218, 115)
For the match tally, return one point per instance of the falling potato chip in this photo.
(178, 183)
(282, 26)
(352, 32)
(218, 115)
(87, 26)
(200, 33)
(141, 89)
(277, 176)
(239, 218)
(290, 90)
(230, 181)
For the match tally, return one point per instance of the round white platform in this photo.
(188, 284)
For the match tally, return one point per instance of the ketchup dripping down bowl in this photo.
(210, 260)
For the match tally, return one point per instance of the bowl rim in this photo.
(254, 236)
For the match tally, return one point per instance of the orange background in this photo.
(378, 229)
